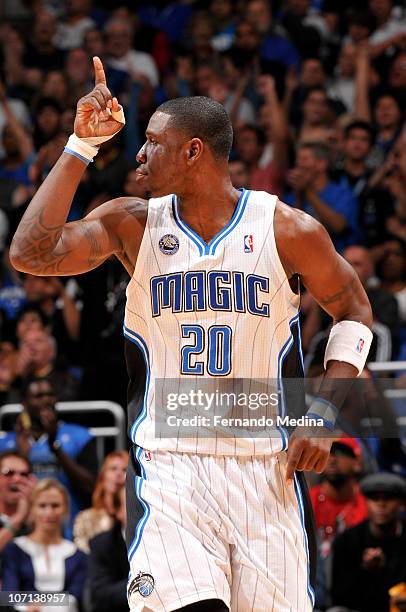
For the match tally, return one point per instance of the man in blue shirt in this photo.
(275, 45)
(334, 205)
(55, 449)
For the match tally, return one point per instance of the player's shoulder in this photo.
(293, 222)
(297, 235)
(294, 227)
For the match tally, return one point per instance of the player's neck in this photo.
(209, 205)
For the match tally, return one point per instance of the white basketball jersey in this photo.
(206, 315)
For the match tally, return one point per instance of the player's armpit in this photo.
(80, 246)
(305, 248)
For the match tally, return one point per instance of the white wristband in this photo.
(79, 148)
(349, 341)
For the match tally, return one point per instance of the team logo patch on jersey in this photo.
(169, 244)
(142, 584)
(360, 345)
(248, 243)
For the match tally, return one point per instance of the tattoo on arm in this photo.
(343, 292)
(37, 245)
(95, 249)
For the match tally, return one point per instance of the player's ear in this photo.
(194, 150)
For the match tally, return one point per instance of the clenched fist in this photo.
(95, 112)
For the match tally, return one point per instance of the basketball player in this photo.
(214, 523)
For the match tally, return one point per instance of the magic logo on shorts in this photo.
(143, 584)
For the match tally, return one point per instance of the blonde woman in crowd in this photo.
(44, 561)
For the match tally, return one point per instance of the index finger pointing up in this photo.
(99, 76)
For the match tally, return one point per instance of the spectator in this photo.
(337, 502)
(313, 192)
(105, 500)
(62, 450)
(94, 43)
(221, 12)
(121, 55)
(238, 173)
(369, 559)
(47, 121)
(389, 26)
(316, 115)
(305, 26)
(16, 485)
(239, 108)
(384, 306)
(272, 121)
(200, 38)
(30, 318)
(275, 47)
(37, 356)
(247, 43)
(376, 210)
(312, 75)
(71, 30)
(56, 86)
(108, 565)
(78, 70)
(392, 177)
(43, 560)
(388, 118)
(41, 51)
(391, 270)
(397, 77)
(360, 25)
(54, 300)
(17, 144)
(250, 143)
(342, 86)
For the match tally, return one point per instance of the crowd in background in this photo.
(316, 92)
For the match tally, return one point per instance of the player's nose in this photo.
(141, 156)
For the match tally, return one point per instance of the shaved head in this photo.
(201, 117)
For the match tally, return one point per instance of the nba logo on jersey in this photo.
(248, 243)
(360, 345)
(147, 455)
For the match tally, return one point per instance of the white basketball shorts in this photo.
(215, 527)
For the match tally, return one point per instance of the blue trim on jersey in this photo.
(185, 228)
(234, 221)
(141, 344)
(281, 358)
(299, 336)
(139, 480)
(210, 247)
(298, 493)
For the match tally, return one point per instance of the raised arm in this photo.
(44, 244)
(305, 249)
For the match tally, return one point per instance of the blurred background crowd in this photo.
(316, 92)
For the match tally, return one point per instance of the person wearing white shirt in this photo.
(121, 55)
(390, 21)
